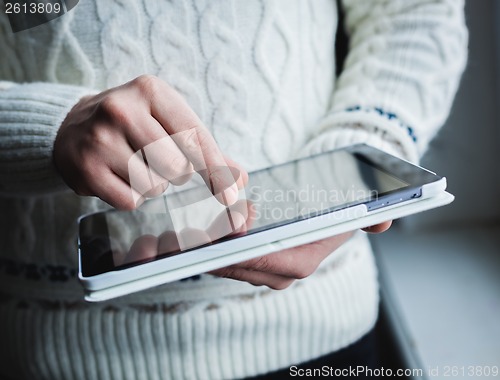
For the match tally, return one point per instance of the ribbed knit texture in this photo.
(31, 115)
(212, 339)
(260, 74)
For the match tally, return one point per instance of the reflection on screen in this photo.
(273, 197)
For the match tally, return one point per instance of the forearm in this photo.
(400, 76)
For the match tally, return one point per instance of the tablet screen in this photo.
(184, 220)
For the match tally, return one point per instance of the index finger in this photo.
(197, 143)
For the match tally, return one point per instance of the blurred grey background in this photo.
(467, 150)
(440, 270)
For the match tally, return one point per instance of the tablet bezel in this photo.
(415, 176)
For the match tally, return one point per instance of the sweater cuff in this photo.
(370, 126)
(30, 117)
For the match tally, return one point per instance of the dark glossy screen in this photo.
(273, 197)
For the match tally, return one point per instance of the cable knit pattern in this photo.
(121, 40)
(402, 53)
(224, 76)
(278, 33)
(10, 64)
(66, 48)
(174, 28)
(319, 56)
(260, 74)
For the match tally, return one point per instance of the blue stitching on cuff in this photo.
(387, 115)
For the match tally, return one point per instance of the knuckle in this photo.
(303, 271)
(148, 84)
(281, 285)
(179, 166)
(262, 264)
(109, 104)
(145, 80)
(217, 183)
(157, 190)
(113, 108)
(98, 137)
(203, 137)
(189, 138)
(127, 204)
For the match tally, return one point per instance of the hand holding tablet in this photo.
(290, 205)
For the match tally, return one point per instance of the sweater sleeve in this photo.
(30, 116)
(400, 76)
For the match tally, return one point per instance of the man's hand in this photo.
(96, 153)
(131, 141)
(277, 270)
(280, 269)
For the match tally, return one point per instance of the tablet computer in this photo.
(188, 232)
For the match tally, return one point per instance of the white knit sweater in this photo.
(260, 74)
